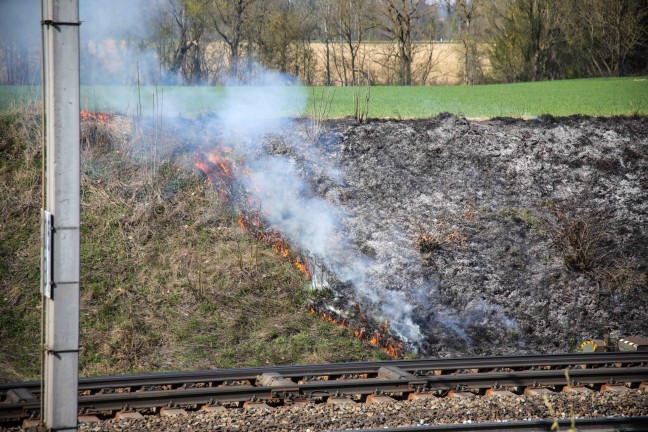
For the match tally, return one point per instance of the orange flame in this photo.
(375, 339)
(218, 169)
(329, 317)
(101, 117)
(379, 338)
(273, 239)
(302, 268)
(222, 162)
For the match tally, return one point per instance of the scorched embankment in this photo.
(506, 235)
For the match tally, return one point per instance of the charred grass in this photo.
(169, 281)
(588, 245)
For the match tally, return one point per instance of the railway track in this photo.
(286, 384)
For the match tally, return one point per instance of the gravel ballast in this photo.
(323, 417)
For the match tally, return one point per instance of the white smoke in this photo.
(284, 197)
(317, 226)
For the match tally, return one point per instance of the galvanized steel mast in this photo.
(61, 283)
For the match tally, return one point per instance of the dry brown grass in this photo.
(434, 63)
(587, 245)
(448, 230)
(376, 62)
(168, 279)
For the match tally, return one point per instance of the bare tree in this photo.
(470, 31)
(326, 20)
(15, 63)
(428, 60)
(611, 31)
(19, 49)
(398, 22)
(282, 36)
(355, 18)
(532, 44)
(179, 35)
(232, 20)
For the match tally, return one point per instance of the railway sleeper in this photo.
(13, 414)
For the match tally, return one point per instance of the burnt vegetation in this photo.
(497, 241)
(517, 246)
(589, 245)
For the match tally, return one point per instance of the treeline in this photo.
(499, 40)
(352, 42)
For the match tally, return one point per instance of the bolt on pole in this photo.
(61, 26)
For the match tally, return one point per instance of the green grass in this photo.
(597, 96)
(169, 280)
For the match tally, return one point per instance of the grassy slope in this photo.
(19, 245)
(599, 97)
(169, 281)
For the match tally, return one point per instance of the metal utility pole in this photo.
(61, 273)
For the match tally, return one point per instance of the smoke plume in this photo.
(285, 169)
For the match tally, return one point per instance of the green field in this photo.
(599, 97)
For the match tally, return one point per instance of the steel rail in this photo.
(582, 424)
(479, 381)
(314, 389)
(418, 367)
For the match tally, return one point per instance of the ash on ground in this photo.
(504, 236)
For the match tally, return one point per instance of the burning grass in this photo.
(363, 330)
(184, 270)
(222, 169)
(169, 279)
(102, 118)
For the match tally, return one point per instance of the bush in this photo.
(587, 245)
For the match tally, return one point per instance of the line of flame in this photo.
(101, 117)
(378, 338)
(273, 239)
(219, 170)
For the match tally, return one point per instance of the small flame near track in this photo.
(222, 168)
(270, 237)
(377, 336)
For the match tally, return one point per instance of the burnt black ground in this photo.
(492, 237)
(500, 199)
